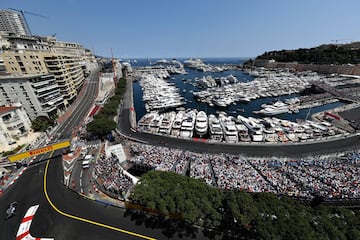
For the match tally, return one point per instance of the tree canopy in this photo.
(101, 125)
(41, 124)
(324, 54)
(246, 216)
(103, 122)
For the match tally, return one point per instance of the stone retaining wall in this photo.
(320, 68)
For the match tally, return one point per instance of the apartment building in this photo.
(2, 65)
(13, 22)
(39, 94)
(14, 123)
(68, 62)
(68, 74)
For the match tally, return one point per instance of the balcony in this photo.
(47, 88)
(15, 126)
(50, 97)
(54, 101)
(12, 119)
(42, 83)
(51, 64)
(49, 109)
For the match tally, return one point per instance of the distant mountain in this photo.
(323, 54)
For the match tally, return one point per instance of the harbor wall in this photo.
(320, 68)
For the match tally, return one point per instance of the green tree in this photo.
(101, 126)
(324, 54)
(41, 124)
(255, 216)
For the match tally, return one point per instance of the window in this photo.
(6, 117)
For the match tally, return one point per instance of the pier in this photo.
(333, 91)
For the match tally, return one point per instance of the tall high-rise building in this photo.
(39, 94)
(13, 22)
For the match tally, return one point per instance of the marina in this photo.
(228, 105)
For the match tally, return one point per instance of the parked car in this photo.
(11, 210)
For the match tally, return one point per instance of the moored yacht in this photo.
(242, 131)
(229, 129)
(188, 124)
(166, 123)
(216, 132)
(145, 121)
(175, 129)
(155, 123)
(255, 129)
(201, 124)
(271, 111)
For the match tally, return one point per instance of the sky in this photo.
(192, 28)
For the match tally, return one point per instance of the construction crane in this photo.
(26, 12)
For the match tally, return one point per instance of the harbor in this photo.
(236, 106)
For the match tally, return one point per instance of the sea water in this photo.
(186, 89)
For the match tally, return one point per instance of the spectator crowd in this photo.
(110, 175)
(335, 176)
(332, 177)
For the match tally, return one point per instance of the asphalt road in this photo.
(81, 178)
(26, 192)
(63, 214)
(253, 149)
(28, 189)
(65, 130)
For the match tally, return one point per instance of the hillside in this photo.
(323, 54)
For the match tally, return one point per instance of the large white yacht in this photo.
(175, 129)
(276, 108)
(242, 131)
(145, 121)
(216, 132)
(255, 128)
(155, 123)
(271, 111)
(193, 63)
(229, 129)
(166, 123)
(172, 66)
(201, 123)
(188, 124)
